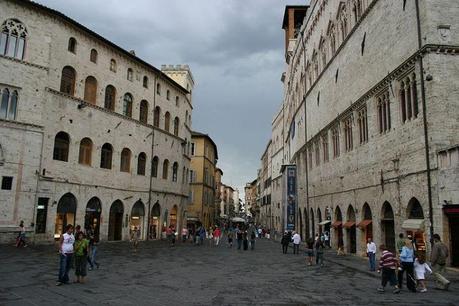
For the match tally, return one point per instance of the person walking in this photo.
(320, 252)
(296, 243)
(202, 235)
(406, 265)
(93, 243)
(135, 234)
(217, 235)
(184, 234)
(438, 260)
(371, 253)
(420, 270)
(327, 239)
(65, 255)
(81, 253)
(230, 239)
(285, 242)
(173, 235)
(239, 239)
(310, 250)
(252, 240)
(245, 239)
(21, 239)
(387, 267)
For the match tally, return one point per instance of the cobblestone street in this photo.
(191, 275)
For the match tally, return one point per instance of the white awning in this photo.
(192, 219)
(237, 219)
(413, 224)
(324, 222)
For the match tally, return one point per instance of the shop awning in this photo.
(324, 222)
(364, 223)
(413, 224)
(192, 219)
(349, 224)
(337, 224)
(238, 219)
(451, 209)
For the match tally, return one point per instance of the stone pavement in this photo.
(192, 275)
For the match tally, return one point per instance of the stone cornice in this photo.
(26, 63)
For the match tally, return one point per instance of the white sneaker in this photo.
(423, 290)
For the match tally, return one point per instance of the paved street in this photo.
(190, 275)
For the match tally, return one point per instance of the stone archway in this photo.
(351, 231)
(65, 214)
(338, 226)
(137, 218)
(92, 216)
(313, 223)
(115, 221)
(388, 226)
(155, 221)
(366, 225)
(173, 217)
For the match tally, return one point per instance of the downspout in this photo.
(35, 205)
(424, 120)
(151, 162)
(305, 133)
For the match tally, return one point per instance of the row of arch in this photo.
(62, 148)
(313, 221)
(68, 79)
(119, 217)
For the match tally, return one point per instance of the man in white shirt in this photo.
(371, 253)
(296, 243)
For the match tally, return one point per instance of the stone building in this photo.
(266, 216)
(370, 118)
(204, 156)
(250, 198)
(90, 134)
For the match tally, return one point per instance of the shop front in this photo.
(414, 225)
(154, 221)
(92, 216)
(65, 214)
(137, 218)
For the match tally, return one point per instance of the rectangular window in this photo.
(11, 46)
(191, 176)
(335, 139)
(42, 213)
(3, 38)
(325, 148)
(192, 148)
(317, 153)
(348, 134)
(363, 125)
(7, 183)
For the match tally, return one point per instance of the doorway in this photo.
(115, 222)
(92, 216)
(66, 211)
(387, 226)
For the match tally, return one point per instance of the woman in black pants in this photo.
(285, 242)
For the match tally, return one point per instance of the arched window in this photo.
(85, 151)
(156, 116)
(13, 38)
(165, 169)
(68, 80)
(403, 101)
(176, 126)
(145, 81)
(90, 90)
(141, 163)
(93, 56)
(8, 104)
(127, 105)
(72, 45)
(143, 117)
(106, 156)
(130, 74)
(168, 95)
(167, 119)
(174, 172)
(177, 101)
(154, 166)
(112, 65)
(61, 146)
(125, 164)
(110, 96)
(414, 96)
(158, 89)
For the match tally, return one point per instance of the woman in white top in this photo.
(420, 269)
(65, 254)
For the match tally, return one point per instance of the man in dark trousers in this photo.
(286, 238)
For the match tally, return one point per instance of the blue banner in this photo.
(291, 197)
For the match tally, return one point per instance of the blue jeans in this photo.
(64, 267)
(372, 258)
(93, 261)
(239, 244)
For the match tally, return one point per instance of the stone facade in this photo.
(373, 94)
(55, 181)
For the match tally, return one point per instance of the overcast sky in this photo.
(234, 49)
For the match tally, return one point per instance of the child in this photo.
(420, 268)
(387, 267)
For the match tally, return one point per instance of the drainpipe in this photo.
(424, 120)
(305, 132)
(151, 162)
(35, 206)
